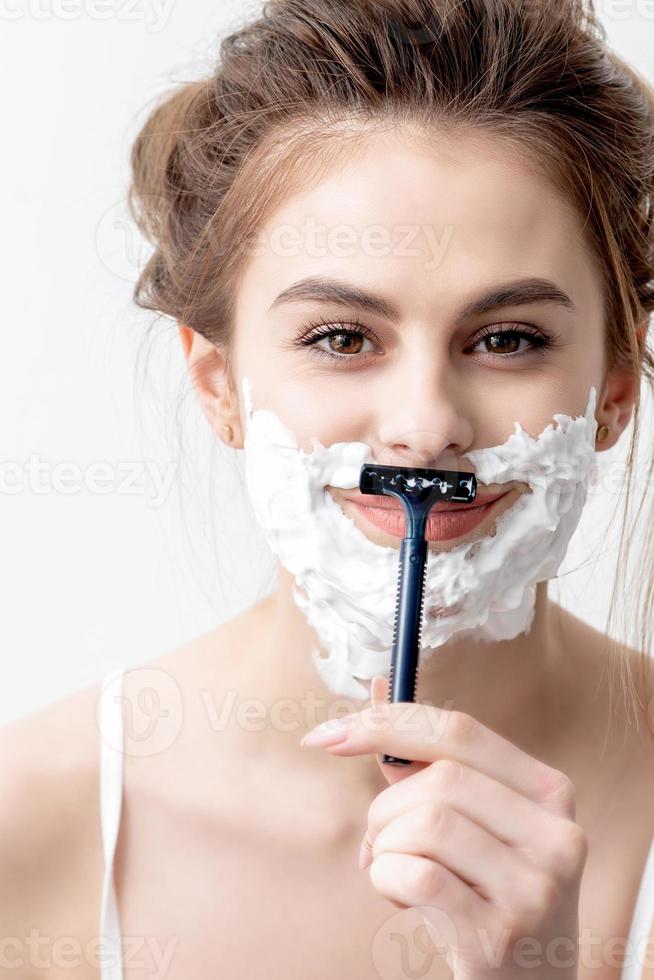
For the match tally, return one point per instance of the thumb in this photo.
(379, 688)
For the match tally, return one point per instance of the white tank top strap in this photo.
(111, 793)
(642, 924)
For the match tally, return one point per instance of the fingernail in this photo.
(329, 732)
(365, 856)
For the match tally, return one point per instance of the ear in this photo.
(213, 385)
(616, 404)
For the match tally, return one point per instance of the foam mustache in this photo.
(345, 584)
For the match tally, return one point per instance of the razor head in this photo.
(418, 485)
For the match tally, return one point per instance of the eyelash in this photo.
(541, 342)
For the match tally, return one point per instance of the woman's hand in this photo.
(479, 834)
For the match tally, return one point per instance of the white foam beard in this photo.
(346, 584)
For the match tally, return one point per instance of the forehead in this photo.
(433, 215)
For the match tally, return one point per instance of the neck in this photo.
(523, 689)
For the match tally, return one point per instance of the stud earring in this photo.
(229, 433)
(602, 433)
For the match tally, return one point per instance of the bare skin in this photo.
(235, 840)
(284, 849)
(238, 848)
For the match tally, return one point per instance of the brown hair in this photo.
(306, 79)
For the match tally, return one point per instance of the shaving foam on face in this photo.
(346, 584)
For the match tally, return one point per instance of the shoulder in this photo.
(50, 841)
(48, 765)
(182, 674)
(50, 822)
(50, 758)
(210, 660)
(637, 680)
(617, 678)
(612, 729)
(172, 707)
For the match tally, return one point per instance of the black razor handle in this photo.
(408, 624)
(418, 490)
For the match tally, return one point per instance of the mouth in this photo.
(386, 502)
(446, 520)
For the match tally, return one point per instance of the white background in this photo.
(91, 579)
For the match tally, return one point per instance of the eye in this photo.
(502, 338)
(346, 340)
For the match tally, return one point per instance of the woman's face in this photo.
(436, 238)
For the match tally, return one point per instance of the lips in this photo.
(392, 503)
(444, 522)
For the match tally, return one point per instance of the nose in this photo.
(426, 424)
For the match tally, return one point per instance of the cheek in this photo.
(314, 414)
(533, 403)
(568, 399)
(307, 409)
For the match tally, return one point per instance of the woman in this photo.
(465, 192)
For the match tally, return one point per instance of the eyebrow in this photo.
(516, 293)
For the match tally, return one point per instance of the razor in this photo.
(418, 490)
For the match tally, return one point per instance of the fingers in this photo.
(539, 835)
(455, 910)
(424, 733)
(441, 834)
(379, 690)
